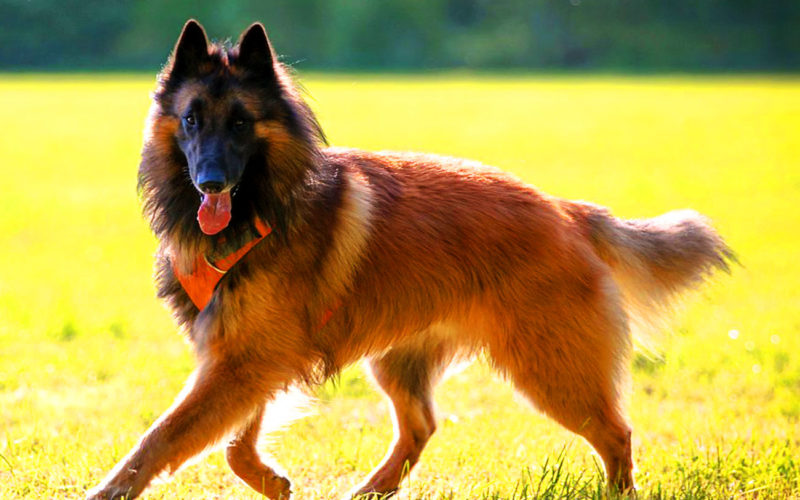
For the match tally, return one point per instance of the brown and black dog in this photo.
(285, 261)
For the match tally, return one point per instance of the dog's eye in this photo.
(190, 120)
(239, 125)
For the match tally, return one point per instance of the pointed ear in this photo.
(190, 52)
(255, 52)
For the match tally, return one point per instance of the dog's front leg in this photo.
(219, 397)
(245, 461)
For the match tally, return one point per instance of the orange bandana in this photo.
(202, 281)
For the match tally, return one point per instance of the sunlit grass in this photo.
(88, 357)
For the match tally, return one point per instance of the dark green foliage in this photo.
(646, 35)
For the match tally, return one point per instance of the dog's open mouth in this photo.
(214, 214)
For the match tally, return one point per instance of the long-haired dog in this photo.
(285, 261)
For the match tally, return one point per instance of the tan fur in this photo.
(654, 260)
(188, 93)
(350, 236)
(273, 132)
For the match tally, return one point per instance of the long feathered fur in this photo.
(654, 260)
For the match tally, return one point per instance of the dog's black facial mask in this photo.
(216, 133)
(216, 143)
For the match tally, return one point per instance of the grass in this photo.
(89, 358)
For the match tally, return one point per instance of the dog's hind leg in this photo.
(246, 463)
(407, 375)
(569, 357)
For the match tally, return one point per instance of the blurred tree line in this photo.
(638, 35)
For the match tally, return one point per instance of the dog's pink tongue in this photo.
(215, 212)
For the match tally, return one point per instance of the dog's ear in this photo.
(190, 52)
(255, 52)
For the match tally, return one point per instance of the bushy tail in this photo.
(653, 260)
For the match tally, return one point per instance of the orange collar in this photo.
(202, 281)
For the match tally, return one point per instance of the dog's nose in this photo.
(211, 187)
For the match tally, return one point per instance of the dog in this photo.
(284, 261)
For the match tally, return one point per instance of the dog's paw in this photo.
(274, 487)
(281, 488)
(108, 492)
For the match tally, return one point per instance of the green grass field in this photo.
(89, 358)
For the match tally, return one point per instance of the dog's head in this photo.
(230, 118)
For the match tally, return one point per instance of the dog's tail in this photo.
(653, 260)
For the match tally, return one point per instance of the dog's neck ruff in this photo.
(201, 282)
